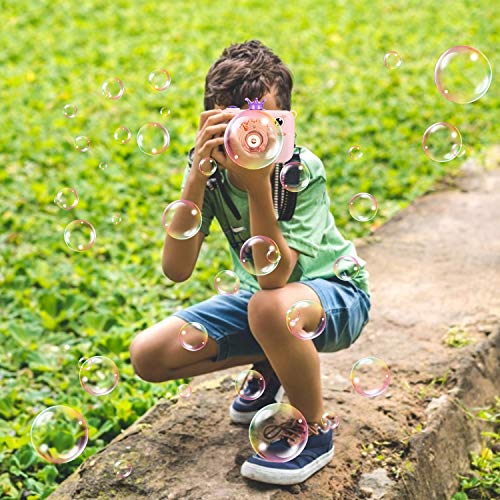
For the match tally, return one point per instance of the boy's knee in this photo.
(144, 361)
(265, 309)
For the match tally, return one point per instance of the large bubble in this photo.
(442, 142)
(370, 376)
(346, 267)
(181, 219)
(306, 319)
(363, 207)
(153, 138)
(227, 282)
(260, 255)
(193, 336)
(79, 235)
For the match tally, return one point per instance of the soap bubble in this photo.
(82, 143)
(153, 138)
(259, 255)
(79, 235)
(346, 267)
(181, 219)
(66, 198)
(122, 134)
(278, 432)
(330, 420)
(116, 218)
(253, 139)
(355, 153)
(70, 110)
(103, 165)
(442, 142)
(59, 434)
(113, 89)
(295, 176)
(207, 166)
(363, 207)
(159, 79)
(184, 391)
(370, 376)
(463, 74)
(392, 60)
(193, 336)
(165, 111)
(99, 375)
(227, 282)
(306, 319)
(250, 385)
(122, 469)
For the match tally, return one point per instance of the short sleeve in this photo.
(305, 230)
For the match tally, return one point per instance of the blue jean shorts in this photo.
(226, 318)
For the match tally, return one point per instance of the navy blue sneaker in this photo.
(317, 453)
(242, 410)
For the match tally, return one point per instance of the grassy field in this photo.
(57, 305)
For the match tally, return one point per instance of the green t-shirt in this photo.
(311, 231)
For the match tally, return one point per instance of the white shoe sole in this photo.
(245, 417)
(285, 477)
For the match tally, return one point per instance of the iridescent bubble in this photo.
(278, 432)
(295, 176)
(153, 138)
(165, 111)
(59, 434)
(463, 74)
(82, 143)
(207, 166)
(193, 336)
(392, 60)
(116, 219)
(363, 207)
(122, 134)
(184, 391)
(330, 420)
(259, 255)
(113, 89)
(159, 79)
(355, 152)
(70, 110)
(103, 165)
(99, 375)
(346, 267)
(79, 235)
(370, 376)
(250, 385)
(306, 319)
(442, 142)
(66, 198)
(227, 282)
(122, 469)
(181, 219)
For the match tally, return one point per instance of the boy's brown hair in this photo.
(250, 70)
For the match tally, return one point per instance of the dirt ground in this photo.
(435, 274)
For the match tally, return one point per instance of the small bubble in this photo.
(70, 110)
(159, 79)
(113, 89)
(82, 143)
(122, 135)
(103, 165)
(66, 198)
(392, 60)
(122, 469)
(355, 152)
(116, 218)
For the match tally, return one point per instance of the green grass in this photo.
(58, 306)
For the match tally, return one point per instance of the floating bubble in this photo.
(278, 432)
(227, 282)
(346, 267)
(181, 219)
(306, 319)
(122, 134)
(82, 143)
(103, 165)
(207, 166)
(59, 434)
(355, 153)
(159, 79)
(122, 469)
(330, 420)
(462, 74)
(116, 219)
(184, 391)
(295, 176)
(153, 138)
(165, 111)
(370, 376)
(253, 139)
(79, 235)
(259, 255)
(66, 198)
(363, 207)
(250, 385)
(442, 142)
(392, 60)
(70, 110)
(113, 89)
(193, 336)
(99, 375)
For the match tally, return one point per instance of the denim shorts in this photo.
(226, 318)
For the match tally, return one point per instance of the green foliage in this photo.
(57, 305)
(456, 336)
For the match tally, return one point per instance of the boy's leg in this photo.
(295, 361)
